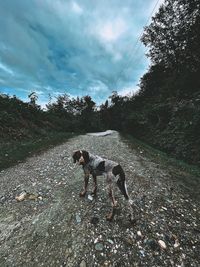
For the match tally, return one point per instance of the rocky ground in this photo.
(44, 222)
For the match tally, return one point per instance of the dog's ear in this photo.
(76, 156)
(86, 156)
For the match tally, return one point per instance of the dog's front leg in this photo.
(86, 179)
(95, 184)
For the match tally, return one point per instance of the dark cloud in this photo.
(76, 47)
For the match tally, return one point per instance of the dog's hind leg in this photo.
(95, 184)
(129, 202)
(121, 183)
(130, 209)
(111, 215)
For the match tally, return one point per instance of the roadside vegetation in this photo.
(15, 151)
(165, 113)
(186, 175)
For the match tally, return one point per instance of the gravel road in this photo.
(53, 226)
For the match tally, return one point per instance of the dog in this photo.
(112, 171)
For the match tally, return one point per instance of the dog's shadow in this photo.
(99, 207)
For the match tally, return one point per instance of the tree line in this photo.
(166, 110)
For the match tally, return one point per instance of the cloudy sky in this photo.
(77, 47)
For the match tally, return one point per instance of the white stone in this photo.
(162, 244)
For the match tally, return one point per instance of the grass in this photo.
(186, 176)
(12, 152)
(162, 157)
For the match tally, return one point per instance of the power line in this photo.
(135, 48)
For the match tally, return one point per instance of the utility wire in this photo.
(136, 48)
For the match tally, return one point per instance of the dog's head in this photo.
(81, 156)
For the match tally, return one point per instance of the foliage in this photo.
(164, 113)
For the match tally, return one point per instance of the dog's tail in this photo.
(121, 182)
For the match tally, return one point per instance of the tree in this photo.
(105, 115)
(173, 35)
(33, 99)
(62, 106)
(87, 113)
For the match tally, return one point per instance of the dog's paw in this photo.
(82, 194)
(94, 193)
(109, 217)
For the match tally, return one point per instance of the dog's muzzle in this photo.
(81, 160)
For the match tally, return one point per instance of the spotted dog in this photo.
(112, 171)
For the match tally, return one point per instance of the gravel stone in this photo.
(83, 264)
(62, 229)
(99, 246)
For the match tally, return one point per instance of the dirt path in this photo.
(61, 229)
